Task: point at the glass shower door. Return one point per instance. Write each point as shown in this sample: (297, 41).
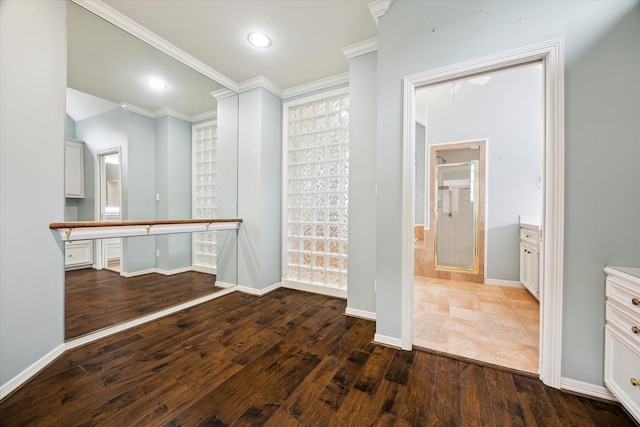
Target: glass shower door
(457, 216)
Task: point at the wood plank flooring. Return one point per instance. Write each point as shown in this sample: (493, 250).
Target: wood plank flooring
(95, 299)
(285, 359)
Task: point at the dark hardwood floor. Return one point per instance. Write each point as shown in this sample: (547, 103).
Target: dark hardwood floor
(285, 359)
(95, 299)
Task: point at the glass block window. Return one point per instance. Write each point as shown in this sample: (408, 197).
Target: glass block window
(205, 190)
(317, 191)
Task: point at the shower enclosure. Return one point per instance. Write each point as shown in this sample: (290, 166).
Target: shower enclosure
(456, 238)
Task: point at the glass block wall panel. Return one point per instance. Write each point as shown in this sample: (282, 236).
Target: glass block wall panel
(205, 192)
(317, 207)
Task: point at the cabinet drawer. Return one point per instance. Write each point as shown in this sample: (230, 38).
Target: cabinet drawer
(530, 236)
(625, 294)
(621, 319)
(622, 365)
(78, 253)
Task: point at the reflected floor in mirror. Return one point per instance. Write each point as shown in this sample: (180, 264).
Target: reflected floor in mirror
(96, 299)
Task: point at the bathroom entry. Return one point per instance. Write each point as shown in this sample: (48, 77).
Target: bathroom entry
(456, 216)
(109, 179)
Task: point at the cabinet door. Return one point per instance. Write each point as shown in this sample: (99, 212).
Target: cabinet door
(529, 267)
(74, 169)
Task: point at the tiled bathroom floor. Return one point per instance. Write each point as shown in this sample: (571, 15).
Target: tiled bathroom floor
(493, 324)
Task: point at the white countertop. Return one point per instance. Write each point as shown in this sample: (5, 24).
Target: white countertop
(629, 271)
(530, 221)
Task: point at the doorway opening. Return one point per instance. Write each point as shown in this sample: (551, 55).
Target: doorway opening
(468, 299)
(109, 199)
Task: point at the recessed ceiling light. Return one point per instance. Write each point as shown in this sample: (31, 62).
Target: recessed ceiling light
(259, 40)
(157, 84)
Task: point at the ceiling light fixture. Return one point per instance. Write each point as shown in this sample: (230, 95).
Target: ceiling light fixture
(259, 40)
(157, 84)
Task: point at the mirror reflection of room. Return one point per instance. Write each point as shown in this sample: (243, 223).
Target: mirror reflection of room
(137, 149)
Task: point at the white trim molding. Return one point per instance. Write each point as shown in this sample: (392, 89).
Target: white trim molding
(258, 292)
(551, 54)
(121, 21)
(315, 289)
(387, 341)
(262, 82)
(205, 115)
(321, 84)
(24, 376)
(364, 47)
(222, 93)
(586, 389)
(378, 8)
(354, 312)
(504, 283)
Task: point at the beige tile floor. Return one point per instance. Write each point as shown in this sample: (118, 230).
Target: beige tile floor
(493, 324)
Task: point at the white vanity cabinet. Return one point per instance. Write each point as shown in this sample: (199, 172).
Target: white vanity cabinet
(73, 169)
(622, 337)
(530, 234)
(78, 254)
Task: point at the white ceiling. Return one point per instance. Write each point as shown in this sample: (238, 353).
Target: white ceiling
(307, 35)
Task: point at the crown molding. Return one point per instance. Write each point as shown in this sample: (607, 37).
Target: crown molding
(222, 93)
(118, 19)
(357, 49)
(378, 8)
(166, 111)
(262, 82)
(138, 110)
(205, 115)
(325, 83)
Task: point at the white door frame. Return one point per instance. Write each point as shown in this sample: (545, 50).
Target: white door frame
(99, 173)
(551, 53)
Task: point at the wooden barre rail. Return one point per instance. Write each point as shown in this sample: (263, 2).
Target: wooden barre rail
(83, 230)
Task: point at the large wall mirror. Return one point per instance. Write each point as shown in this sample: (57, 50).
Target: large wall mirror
(141, 149)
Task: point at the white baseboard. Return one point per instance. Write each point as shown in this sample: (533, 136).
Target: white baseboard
(24, 376)
(258, 292)
(224, 284)
(505, 283)
(201, 269)
(387, 341)
(601, 392)
(156, 270)
(172, 272)
(369, 315)
(315, 289)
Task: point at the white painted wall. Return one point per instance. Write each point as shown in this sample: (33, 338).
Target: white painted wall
(508, 111)
(32, 119)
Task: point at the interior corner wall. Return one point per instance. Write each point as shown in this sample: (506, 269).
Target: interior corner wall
(33, 49)
(361, 293)
(227, 126)
(602, 62)
(259, 188)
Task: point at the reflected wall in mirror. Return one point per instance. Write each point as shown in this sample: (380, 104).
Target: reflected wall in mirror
(141, 146)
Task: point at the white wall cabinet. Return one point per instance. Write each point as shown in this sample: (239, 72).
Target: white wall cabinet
(78, 254)
(622, 337)
(73, 169)
(529, 258)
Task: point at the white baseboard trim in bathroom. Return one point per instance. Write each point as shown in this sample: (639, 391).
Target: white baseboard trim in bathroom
(24, 376)
(156, 270)
(505, 283)
(387, 341)
(354, 312)
(258, 292)
(137, 273)
(142, 320)
(601, 392)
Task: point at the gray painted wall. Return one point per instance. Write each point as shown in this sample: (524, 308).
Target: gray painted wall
(362, 182)
(602, 202)
(69, 127)
(259, 188)
(227, 122)
(508, 111)
(32, 130)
